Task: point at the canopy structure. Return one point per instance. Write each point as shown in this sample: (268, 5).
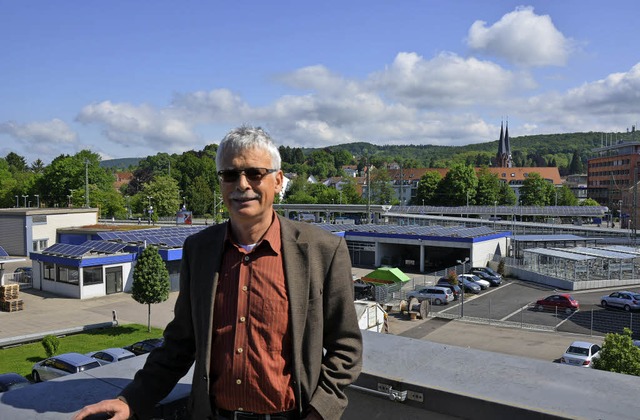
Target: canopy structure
(386, 275)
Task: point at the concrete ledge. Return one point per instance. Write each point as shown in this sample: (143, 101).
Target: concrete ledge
(30, 338)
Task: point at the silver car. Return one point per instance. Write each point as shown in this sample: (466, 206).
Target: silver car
(62, 365)
(106, 356)
(581, 353)
(629, 301)
(434, 294)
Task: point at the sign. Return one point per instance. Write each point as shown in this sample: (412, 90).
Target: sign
(183, 218)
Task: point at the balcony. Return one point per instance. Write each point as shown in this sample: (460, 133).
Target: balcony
(402, 378)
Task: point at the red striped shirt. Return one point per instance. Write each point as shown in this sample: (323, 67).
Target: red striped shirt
(251, 350)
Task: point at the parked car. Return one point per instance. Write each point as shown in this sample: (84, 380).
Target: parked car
(580, 353)
(482, 283)
(23, 273)
(145, 346)
(62, 365)
(106, 356)
(629, 301)
(493, 280)
(563, 301)
(437, 295)
(11, 381)
(468, 285)
(454, 288)
(487, 270)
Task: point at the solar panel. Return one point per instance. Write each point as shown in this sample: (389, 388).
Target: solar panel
(3, 253)
(104, 246)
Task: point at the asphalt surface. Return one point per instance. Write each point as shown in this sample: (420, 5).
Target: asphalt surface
(44, 312)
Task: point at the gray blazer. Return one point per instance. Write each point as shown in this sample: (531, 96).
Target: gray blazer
(318, 277)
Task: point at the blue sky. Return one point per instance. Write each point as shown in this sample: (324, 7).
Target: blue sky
(135, 78)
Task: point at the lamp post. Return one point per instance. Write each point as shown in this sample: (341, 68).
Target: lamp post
(184, 202)
(150, 209)
(463, 262)
(17, 204)
(25, 199)
(68, 200)
(37, 199)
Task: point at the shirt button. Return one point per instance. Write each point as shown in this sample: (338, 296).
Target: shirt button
(240, 350)
(240, 409)
(245, 288)
(238, 381)
(246, 258)
(242, 319)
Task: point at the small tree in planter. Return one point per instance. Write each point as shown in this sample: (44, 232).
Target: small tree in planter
(150, 280)
(501, 267)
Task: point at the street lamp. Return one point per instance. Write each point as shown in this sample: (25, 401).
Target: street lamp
(68, 200)
(184, 202)
(25, 199)
(463, 262)
(38, 199)
(17, 204)
(150, 210)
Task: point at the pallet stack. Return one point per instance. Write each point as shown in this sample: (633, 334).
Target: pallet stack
(9, 298)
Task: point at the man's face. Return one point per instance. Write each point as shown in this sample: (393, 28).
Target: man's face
(247, 200)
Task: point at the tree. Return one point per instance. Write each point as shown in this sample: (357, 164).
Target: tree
(506, 195)
(51, 343)
(488, 188)
(459, 183)
(150, 280)
(348, 193)
(200, 195)
(589, 202)
(166, 200)
(427, 187)
(536, 191)
(619, 354)
(566, 196)
(381, 191)
(576, 166)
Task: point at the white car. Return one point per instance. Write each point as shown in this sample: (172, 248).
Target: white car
(484, 285)
(581, 353)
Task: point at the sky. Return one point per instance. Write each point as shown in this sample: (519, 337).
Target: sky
(135, 78)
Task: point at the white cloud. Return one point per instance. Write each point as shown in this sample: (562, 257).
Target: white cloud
(447, 80)
(129, 125)
(39, 139)
(523, 38)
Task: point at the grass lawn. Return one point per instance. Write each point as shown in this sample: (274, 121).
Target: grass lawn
(22, 358)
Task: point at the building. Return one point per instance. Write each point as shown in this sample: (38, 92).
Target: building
(503, 157)
(26, 230)
(612, 176)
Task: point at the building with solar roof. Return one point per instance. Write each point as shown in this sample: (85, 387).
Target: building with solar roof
(90, 262)
(25, 230)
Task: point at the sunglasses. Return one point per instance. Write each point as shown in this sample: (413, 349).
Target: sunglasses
(252, 174)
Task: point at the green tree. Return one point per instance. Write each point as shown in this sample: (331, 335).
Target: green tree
(427, 187)
(348, 193)
(459, 183)
(506, 195)
(381, 190)
(488, 188)
(50, 343)
(200, 195)
(576, 166)
(589, 202)
(619, 354)
(165, 196)
(150, 280)
(536, 191)
(566, 196)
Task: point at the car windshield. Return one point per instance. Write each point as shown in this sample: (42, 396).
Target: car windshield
(88, 366)
(636, 297)
(578, 350)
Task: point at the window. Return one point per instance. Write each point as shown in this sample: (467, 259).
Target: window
(49, 271)
(68, 275)
(91, 275)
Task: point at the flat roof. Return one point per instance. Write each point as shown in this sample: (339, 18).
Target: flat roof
(551, 238)
(552, 252)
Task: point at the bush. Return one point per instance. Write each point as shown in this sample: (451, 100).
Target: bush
(500, 269)
(50, 344)
(452, 277)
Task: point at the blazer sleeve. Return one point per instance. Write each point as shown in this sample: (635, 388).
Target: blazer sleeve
(342, 339)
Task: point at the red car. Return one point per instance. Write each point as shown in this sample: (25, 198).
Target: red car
(563, 301)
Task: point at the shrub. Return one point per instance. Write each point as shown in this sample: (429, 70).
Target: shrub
(452, 277)
(50, 344)
(501, 267)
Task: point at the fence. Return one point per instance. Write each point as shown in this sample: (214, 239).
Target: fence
(23, 279)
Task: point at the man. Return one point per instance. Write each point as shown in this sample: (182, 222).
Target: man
(265, 308)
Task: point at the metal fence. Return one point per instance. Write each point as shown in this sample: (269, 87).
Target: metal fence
(23, 279)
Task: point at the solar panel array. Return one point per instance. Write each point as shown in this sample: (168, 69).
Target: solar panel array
(414, 230)
(568, 211)
(169, 237)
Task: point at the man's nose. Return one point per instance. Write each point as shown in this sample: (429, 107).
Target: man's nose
(243, 182)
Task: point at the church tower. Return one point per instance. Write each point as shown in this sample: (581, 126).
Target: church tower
(503, 157)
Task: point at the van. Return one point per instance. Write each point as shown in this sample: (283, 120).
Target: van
(437, 295)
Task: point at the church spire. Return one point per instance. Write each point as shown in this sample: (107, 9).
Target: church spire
(503, 157)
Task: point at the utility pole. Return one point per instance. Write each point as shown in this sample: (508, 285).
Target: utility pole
(86, 183)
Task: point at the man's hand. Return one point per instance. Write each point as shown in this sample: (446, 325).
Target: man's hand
(117, 409)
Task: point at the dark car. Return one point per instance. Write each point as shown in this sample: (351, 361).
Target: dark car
(487, 270)
(563, 301)
(454, 288)
(494, 280)
(469, 286)
(145, 346)
(11, 381)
